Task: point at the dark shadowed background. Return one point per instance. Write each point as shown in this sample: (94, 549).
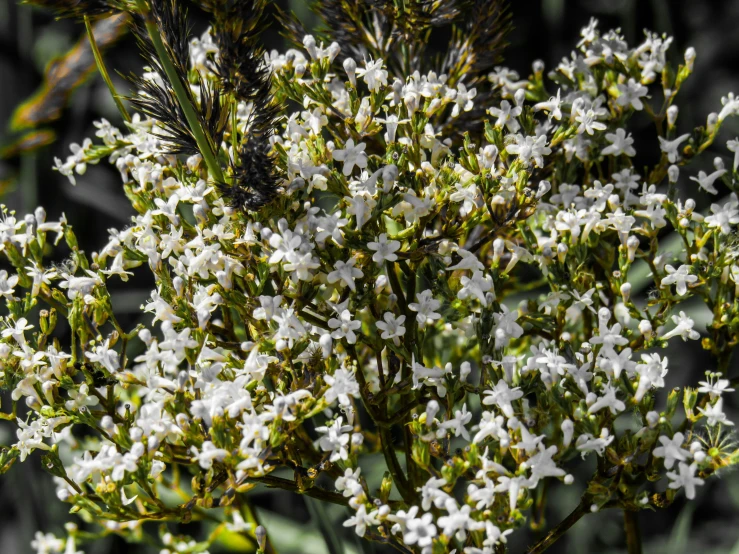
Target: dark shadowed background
(544, 29)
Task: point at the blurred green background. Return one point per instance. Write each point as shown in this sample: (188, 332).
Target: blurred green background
(34, 48)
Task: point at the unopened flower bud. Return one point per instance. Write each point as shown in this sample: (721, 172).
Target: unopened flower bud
(464, 371)
(562, 250)
(626, 291)
(673, 173)
(537, 66)
(333, 51)
(544, 187)
(718, 163)
(432, 408)
(107, 424)
(632, 244)
(690, 57)
(569, 479)
(645, 327)
(326, 344)
(145, 336)
(179, 285)
(299, 70)
(568, 429)
(498, 246)
(519, 97)
(411, 104)
(261, 535)
(672, 115)
(309, 43)
(350, 66)
(711, 121)
(183, 421)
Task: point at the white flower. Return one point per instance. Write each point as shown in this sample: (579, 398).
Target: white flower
(420, 530)
(46, 543)
(468, 261)
(457, 423)
(680, 277)
(715, 414)
(238, 524)
(345, 273)
(506, 327)
(463, 99)
(733, 146)
(373, 74)
(7, 284)
(467, 195)
(730, 106)
(335, 439)
(351, 155)
(391, 124)
(458, 520)
(630, 94)
(392, 327)
(670, 147)
(502, 396)
(685, 479)
(301, 265)
(530, 148)
(360, 206)
(384, 249)
(714, 386)
(588, 120)
(344, 327)
(361, 519)
(80, 398)
(507, 115)
(723, 217)
(588, 443)
(342, 384)
(683, 328)
(208, 454)
(476, 287)
(553, 106)
(621, 143)
(105, 356)
(425, 308)
(608, 400)
(671, 450)
(651, 373)
(513, 486)
(706, 181)
(432, 494)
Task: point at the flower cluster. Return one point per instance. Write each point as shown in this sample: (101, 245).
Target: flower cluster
(468, 309)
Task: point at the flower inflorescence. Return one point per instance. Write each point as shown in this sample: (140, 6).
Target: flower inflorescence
(481, 296)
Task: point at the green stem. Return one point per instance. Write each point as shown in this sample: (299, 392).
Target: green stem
(560, 529)
(103, 71)
(633, 537)
(193, 121)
